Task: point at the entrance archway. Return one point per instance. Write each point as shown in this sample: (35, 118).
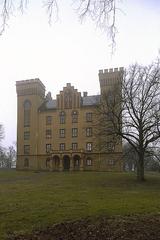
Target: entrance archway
(66, 163)
(55, 163)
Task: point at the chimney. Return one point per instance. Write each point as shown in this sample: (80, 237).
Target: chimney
(85, 94)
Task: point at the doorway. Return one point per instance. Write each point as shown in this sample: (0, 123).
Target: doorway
(66, 163)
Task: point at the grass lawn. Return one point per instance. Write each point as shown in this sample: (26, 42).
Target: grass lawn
(30, 200)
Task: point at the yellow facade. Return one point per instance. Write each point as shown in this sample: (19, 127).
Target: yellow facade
(59, 134)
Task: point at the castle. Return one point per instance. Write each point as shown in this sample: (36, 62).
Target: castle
(59, 134)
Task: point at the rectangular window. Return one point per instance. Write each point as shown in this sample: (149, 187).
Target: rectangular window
(48, 148)
(26, 149)
(88, 132)
(111, 162)
(27, 114)
(89, 117)
(74, 146)
(62, 117)
(26, 135)
(62, 146)
(61, 133)
(48, 133)
(48, 120)
(89, 162)
(74, 132)
(89, 147)
(74, 117)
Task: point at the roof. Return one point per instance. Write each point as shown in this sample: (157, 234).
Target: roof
(86, 101)
(90, 100)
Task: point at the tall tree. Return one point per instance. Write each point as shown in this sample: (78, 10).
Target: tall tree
(133, 113)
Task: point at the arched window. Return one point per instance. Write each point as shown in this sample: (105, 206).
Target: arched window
(27, 113)
(62, 117)
(26, 162)
(74, 117)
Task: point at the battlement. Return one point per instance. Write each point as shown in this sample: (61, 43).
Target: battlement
(111, 70)
(30, 87)
(30, 81)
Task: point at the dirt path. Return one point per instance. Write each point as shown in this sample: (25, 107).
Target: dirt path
(116, 228)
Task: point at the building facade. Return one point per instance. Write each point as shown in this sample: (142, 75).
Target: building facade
(59, 134)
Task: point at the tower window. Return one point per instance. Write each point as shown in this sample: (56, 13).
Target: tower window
(26, 149)
(27, 113)
(26, 135)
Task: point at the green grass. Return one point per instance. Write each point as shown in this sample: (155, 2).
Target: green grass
(31, 200)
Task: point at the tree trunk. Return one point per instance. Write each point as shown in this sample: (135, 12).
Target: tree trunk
(140, 168)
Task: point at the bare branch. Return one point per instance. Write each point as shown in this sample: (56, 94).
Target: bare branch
(52, 10)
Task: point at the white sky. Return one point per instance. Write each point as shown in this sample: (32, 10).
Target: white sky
(69, 51)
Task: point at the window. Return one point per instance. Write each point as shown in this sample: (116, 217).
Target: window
(74, 146)
(89, 147)
(74, 117)
(26, 162)
(61, 133)
(62, 146)
(111, 162)
(77, 162)
(110, 146)
(26, 135)
(88, 132)
(62, 117)
(48, 148)
(27, 113)
(89, 117)
(48, 120)
(48, 133)
(74, 132)
(89, 162)
(26, 149)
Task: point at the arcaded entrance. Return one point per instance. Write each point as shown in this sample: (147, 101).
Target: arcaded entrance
(66, 163)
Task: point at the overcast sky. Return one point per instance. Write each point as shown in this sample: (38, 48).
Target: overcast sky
(69, 51)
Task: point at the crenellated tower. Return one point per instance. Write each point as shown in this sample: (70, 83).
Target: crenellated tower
(110, 78)
(30, 95)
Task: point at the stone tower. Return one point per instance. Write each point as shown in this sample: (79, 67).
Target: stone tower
(30, 95)
(109, 78)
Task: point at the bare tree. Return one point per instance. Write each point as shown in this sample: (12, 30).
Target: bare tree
(1, 132)
(134, 114)
(102, 12)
